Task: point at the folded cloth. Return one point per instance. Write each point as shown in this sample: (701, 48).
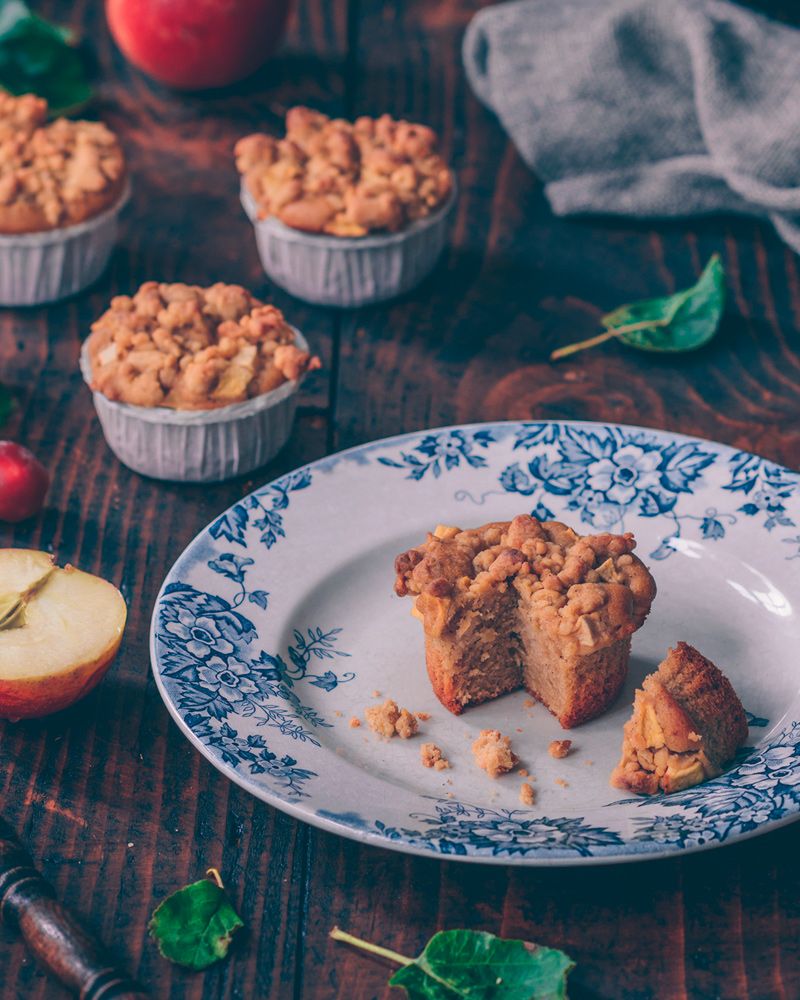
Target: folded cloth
(647, 107)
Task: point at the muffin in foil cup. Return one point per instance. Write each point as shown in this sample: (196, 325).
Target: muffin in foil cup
(42, 267)
(349, 271)
(197, 446)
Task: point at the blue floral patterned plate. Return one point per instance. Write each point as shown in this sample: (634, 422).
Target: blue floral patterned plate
(278, 624)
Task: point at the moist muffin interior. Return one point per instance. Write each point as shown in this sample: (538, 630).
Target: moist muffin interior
(193, 348)
(328, 175)
(527, 603)
(53, 174)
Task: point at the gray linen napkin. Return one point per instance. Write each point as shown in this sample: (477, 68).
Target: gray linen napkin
(647, 107)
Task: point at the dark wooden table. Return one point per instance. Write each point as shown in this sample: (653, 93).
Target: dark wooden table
(112, 800)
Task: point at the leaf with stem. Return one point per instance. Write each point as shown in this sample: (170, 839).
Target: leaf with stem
(684, 321)
(475, 965)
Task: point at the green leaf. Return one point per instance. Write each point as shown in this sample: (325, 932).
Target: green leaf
(194, 926)
(476, 965)
(680, 322)
(684, 321)
(37, 57)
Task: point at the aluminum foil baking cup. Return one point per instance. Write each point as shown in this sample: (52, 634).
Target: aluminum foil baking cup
(43, 267)
(197, 446)
(347, 271)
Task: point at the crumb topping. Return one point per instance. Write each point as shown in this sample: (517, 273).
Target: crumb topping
(387, 720)
(527, 794)
(53, 174)
(192, 348)
(559, 748)
(493, 753)
(431, 756)
(328, 175)
(588, 591)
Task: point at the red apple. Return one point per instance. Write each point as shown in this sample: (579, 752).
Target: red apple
(195, 44)
(23, 482)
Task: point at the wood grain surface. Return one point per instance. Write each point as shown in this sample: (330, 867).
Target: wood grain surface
(114, 805)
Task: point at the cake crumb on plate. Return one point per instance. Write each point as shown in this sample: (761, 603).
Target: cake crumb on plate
(388, 720)
(527, 794)
(559, 748)
(431, 756)
(493, 753)
(355, 722)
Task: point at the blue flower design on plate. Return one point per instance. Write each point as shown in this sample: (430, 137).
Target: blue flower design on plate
(212, 673)
(254, 691)
(459, 828)
(445, 451)
(606, 473)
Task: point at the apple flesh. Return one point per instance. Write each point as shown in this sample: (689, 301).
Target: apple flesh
(197, 44)
(59, 631)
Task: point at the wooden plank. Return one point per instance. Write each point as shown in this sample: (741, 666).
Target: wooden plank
(109, 796)
(472, 344)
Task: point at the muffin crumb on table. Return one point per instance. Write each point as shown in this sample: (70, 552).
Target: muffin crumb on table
(493, 753)
(559, 748)
(387, 720)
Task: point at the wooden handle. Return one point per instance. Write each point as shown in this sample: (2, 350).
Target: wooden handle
(51, 932)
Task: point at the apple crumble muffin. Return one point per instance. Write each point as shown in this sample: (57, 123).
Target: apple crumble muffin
(192, 348)
(345, 178)
(493, 753)
(687, 723)
(527, 602)
(56, 174)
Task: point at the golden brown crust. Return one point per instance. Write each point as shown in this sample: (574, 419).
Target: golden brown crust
(57, 174)
(588, 590)
(345, 178)
(687, 723)
(192, 348)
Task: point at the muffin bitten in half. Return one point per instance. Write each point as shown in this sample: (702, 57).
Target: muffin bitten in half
(527, 602)
(687, 723)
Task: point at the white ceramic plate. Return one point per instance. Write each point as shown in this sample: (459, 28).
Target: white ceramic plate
(279, 622)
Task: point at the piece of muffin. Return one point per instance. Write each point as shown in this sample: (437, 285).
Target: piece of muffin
(53, 174)
(328, 175)
(527, 602)
(687, 723)
(192, 348)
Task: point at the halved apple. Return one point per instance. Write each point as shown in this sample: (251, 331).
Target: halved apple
(59, 631)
